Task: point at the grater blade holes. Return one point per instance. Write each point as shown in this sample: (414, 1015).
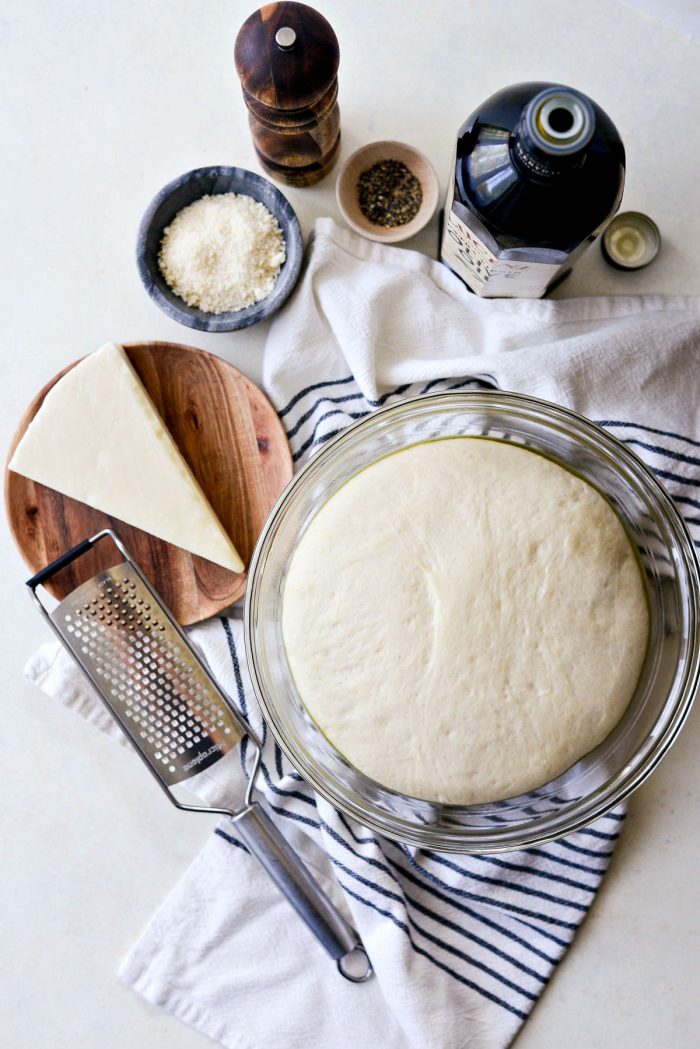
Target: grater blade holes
(147, 674)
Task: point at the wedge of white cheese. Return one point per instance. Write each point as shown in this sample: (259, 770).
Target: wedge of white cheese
(98, 438)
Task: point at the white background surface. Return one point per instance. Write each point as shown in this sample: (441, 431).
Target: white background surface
(102, 103)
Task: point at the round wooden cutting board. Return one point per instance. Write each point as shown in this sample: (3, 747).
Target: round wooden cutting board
(230, 435)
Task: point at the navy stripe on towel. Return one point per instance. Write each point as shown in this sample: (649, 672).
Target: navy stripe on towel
(309, 389)
(440, 965)
(615, 423)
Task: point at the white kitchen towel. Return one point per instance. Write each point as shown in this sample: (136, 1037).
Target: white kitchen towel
(462, 946)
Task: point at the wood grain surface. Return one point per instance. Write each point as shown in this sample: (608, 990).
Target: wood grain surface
(291, 94)
(230, 435)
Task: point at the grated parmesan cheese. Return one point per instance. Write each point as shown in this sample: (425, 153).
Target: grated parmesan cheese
(222, 253)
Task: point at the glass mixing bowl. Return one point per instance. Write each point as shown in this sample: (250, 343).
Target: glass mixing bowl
(669, 678)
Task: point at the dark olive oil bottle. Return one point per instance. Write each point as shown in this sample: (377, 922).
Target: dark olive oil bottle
(539, 170)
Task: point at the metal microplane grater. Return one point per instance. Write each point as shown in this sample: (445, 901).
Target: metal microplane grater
(165, 699)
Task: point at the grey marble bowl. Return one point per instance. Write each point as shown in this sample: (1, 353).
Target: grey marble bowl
(185, 190)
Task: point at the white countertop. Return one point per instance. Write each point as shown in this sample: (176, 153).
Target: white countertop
(104, 103)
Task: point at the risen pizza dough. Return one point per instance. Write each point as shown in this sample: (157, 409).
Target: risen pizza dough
(465, 619)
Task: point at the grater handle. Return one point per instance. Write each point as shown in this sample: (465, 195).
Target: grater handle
(293, 879)
(72, 555)
(59, 563)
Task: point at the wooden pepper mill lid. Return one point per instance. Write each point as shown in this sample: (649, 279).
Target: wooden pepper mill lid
(287, 59)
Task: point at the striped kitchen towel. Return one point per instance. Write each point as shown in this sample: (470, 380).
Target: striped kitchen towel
(462, 946)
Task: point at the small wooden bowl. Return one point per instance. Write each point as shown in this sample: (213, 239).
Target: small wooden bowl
(364, 158)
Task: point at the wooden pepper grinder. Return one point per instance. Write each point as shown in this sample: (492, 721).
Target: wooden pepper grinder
(287, 59)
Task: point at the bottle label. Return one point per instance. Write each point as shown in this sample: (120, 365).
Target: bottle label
(469, 249)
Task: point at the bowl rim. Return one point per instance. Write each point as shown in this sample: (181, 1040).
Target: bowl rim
(234, 320)
(621, 784)
(391, 234)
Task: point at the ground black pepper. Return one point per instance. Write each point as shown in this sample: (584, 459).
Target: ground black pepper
(389, 194)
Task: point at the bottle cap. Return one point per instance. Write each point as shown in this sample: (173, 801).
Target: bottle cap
(630, 241)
